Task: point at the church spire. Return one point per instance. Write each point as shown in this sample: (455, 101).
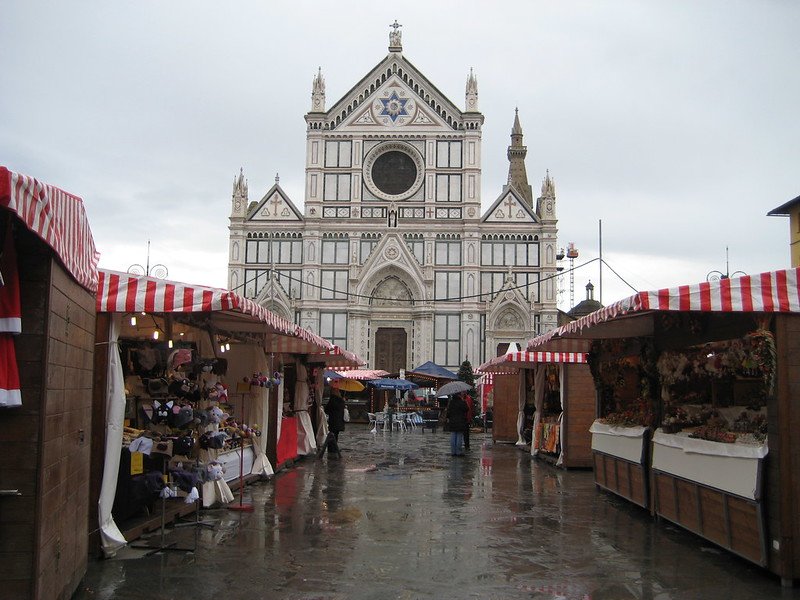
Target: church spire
(548, 186)
(517, 175)
(472, 92)
(318, 92)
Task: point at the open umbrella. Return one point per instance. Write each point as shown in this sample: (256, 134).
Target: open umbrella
(392, 384)
(454, 387)
(347, 385)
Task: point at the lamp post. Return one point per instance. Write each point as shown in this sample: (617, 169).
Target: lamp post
(717, 275)
(158, 271)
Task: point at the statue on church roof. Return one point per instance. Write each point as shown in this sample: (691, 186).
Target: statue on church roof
(395, 43)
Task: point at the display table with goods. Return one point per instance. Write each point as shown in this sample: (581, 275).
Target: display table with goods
(621, 435)
(186, 437)
(709, 455)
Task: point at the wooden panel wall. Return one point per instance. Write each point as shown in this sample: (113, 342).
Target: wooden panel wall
(579, 413)
(46, 441)
(506, 408)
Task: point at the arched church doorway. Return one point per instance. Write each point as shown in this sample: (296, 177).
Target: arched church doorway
(390, 349)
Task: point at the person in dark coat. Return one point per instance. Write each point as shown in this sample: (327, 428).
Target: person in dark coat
(470, 416)
(456, 416)
(335, 411)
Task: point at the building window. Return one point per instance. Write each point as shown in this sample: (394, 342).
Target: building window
(448, 155)
(492, 283)
(278, 249)
(366, 247)
(447, 341)
(291, 282)
(447, 285)
(254, 281)
(448, 188)
(509, 253)
(337, 154)
(334, 252)
(448, 253)
(416, 246)
(334, 285)
(333, 327)
(337, 187)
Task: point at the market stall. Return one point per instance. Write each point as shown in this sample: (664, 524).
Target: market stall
(48, 276)
(556, 389)
(710, 371)
(186, 390)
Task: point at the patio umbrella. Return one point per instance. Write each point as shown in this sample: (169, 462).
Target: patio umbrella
(393, 384)
(347, 385)
(454, 387)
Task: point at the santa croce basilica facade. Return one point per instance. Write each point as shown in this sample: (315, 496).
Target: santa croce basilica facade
(391, 256)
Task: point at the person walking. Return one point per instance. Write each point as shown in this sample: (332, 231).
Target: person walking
(470, 416)
(335, 411)
(456, 416)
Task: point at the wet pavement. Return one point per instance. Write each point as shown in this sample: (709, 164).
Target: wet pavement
(399, 518)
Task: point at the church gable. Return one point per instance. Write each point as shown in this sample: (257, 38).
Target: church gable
(394, 94)
(510, 208)
(394, 105)
(391, 256)
(275, 206)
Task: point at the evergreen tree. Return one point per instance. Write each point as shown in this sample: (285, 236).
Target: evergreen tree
(466, 374)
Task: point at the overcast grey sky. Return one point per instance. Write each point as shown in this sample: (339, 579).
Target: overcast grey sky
(675, 122)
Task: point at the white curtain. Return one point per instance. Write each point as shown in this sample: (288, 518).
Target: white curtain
(521, 405)
(111, 538)
(538, 401)
(322, 422)
(306, 444)
(259, 414)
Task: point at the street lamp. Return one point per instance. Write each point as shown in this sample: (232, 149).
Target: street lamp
(717, 275)
(158, 271)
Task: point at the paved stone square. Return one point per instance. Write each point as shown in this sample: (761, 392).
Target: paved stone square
(398, 517)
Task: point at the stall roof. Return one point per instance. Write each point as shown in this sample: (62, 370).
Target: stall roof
(773, 291)
(337, 357)
(520, 360)
(431, 369)
(58, 218)
(362, 374)
(125, 292)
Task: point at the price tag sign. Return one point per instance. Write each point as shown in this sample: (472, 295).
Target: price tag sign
(137, 463)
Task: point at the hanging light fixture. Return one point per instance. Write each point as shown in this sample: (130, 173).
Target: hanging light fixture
(133, 321)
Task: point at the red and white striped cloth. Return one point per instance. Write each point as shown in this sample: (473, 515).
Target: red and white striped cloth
(58, 218)
(124, 292)
(337, 357)
(10, 322)
(514, 360)
(774, 291)
(361, 374)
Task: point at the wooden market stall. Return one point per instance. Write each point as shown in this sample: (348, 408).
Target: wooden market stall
(698, 393)
(558, 387)
(188, 385)
(48, 275)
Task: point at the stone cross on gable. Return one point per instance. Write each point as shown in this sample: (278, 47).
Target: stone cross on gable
(275, 203)
(394, 35)
(510, 204)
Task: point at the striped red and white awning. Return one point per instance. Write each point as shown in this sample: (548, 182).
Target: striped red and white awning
(128, 293)
(771, 292)
(337, 357)
(512, 361)
(362, 374)
(58, 218)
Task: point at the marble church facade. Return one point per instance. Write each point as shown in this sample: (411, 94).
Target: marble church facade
(391, 255)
